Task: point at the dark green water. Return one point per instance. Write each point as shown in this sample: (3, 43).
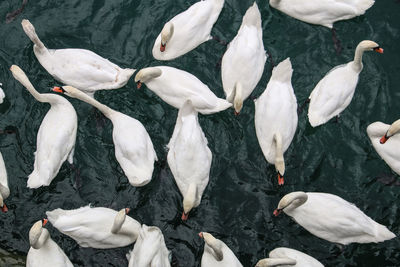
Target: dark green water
(242, 193)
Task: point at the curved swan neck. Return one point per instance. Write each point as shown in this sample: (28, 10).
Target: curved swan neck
(30, 31)
(357, 63)
(394, 129)
(189, 198)
(39, 242)
(292, 200)
(167, 32)
(279, 160)
(270, 262)
(20, 76)
(238, 97)
(215, 245)
(76, 93)
(118, 226)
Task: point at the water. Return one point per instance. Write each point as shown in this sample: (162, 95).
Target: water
(242, 193)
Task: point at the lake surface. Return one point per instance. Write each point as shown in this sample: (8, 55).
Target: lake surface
(238, 202)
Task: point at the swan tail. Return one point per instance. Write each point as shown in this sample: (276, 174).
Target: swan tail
(37, 179)
(382, 233)
(315, 119)
(29, 29)
(283, 72)
(364, 5)
(54, 215)
(252, 16)
(123, 77)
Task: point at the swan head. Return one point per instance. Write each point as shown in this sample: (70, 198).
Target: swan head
(146, 74)
(368, 45)
(292, 201)
(213, 243)
(269, 262)
(36, 232)
(394, 129)
(166, 35)
(119, 220)
(67, 90)
(188, 201)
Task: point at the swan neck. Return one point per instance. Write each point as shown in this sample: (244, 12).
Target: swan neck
(44, 236)
(1, 200)
(90, 100)
(189, 198)
(270, 262)
(293, 200)
(216, 247)
(238, 97)
(357, 63)
(23, 79)
(278, 143)
(394, 128)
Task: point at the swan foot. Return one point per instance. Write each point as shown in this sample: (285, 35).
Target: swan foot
(174, 261)
(12, 15)
(337, 119)
(300, 109)
(281, 181)
(4, 208)
(270, 57)
(221, 42)
(389, 180)
(336, 42)
(78, 181)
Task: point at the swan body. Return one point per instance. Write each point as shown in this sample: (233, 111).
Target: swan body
(133, 147)
(332, 218)
(288, 257)
(4, 190)
(56, 136)
(334, 92)
(96, 227)
(276, 116)
(175, 86)
(243, 62)
(217, 253)
(2, 95)
(387, 146)
(150, 249)
(322, 12)
(80, 68)
(44, 252)
(187, 30)
(189, 157)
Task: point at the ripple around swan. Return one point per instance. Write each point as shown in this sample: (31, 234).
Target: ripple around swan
(237, 204)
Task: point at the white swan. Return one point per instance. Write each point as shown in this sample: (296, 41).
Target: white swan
(175, 86)
(80, 68)
(96, 227)
(332, 218)
(243, 62)
(189, 158)
(288, 257)
(2, 95)
(4, 190)
(276, 116)
(217, 253)
(322, 12)
(187, 30)
(56, 136)
(334, 92)
(386, 141)
(44, 251)
(150, 249)
(133, 147)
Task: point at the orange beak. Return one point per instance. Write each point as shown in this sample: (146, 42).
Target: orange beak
(383, 139)
(281, 181)
(379, 50)
(201, 235)
(4, 208)
(237, 113)
(277, 212)
(127, 210)
(184, 216)
(44, 222)
(162, 47)
(58, 89)
(138, 84)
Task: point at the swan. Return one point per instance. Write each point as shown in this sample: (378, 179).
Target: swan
(133, 147)
(288, 257)
(44, 251)
(187, 30)
(243, 62)
(332, 218)
(56, 136)
(150, 249)
(79, 68)
(275, 117)
(334, 92)
(96, 227)
(217, 253)
(386, 141)
(2, 95)
(322, 12)
(4, 190)
(175, 86)
(189, 157)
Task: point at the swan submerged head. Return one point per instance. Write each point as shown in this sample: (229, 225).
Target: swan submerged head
(146, 74)
(166, 35)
